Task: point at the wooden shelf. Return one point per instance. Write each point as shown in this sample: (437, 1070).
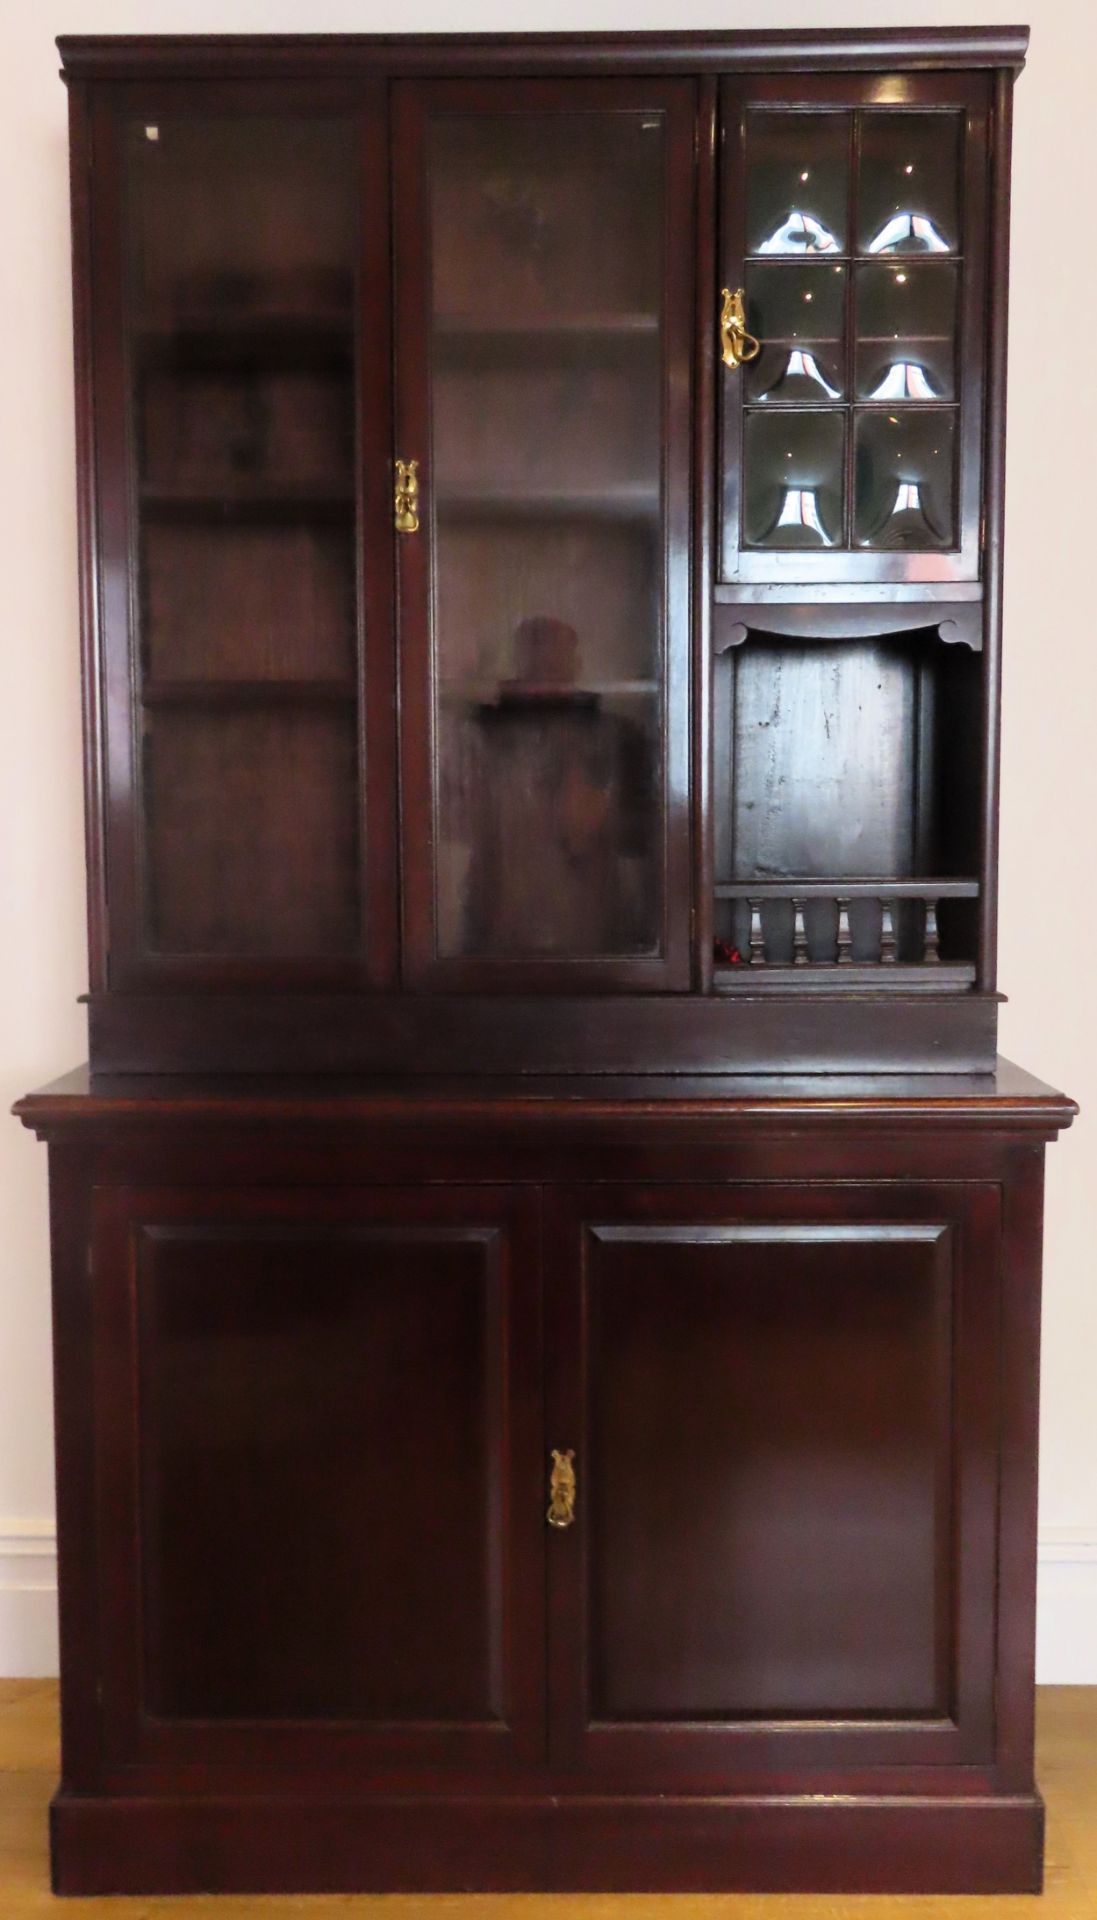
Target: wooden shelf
(637, 503)
(860, 889)
(479, 691)
(202, 338)
(246, 693)
(581, 336)
(247, 505)
(855, 976)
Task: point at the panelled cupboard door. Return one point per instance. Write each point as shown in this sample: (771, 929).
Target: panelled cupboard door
(781, 1403)
(321, 1540)
(544, 293)
(240, 326)
(853, 235)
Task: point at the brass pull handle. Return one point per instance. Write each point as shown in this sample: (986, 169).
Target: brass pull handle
(406, 498)
(561, 1507)
(736, 344)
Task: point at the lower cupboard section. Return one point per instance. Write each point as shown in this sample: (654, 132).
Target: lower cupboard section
(326, 1623)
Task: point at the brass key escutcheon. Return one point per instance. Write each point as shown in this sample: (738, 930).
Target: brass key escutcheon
(406, 498)
(561, 1508)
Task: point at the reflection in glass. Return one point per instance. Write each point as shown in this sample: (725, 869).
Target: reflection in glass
(908, 187)
(908, 233)
(908, 525)
(801, 371)
(797, 182)
(904, 480)
(799, 516)
(800, 233)
(242, 247)
(906, 331)
(545, 493)
(793, 465)
(904, 380)
(799, 314)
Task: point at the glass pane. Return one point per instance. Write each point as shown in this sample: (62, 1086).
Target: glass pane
(906, 331)
(242, 249)
(904, 493)
(797, 182)
(547, 236)
(908, 200)
(251, 829)
(798, 313)
(793, 466)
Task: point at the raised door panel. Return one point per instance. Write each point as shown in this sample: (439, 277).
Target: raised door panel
(316, 1412)
(240, 312)
(544, 273)
(782, 1407)
(853, 229)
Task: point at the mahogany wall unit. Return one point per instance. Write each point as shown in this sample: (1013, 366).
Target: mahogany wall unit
(546, 1259)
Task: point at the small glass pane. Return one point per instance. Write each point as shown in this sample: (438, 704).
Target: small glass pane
(904, 492)
(547, 237)
(797, 182)
(793, 465)
(908, 198)
(906, 331)
(798, 313)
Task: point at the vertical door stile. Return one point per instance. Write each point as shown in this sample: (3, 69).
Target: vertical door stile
(377, 612)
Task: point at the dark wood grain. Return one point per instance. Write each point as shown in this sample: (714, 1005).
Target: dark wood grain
(277, 1344)
(214, 56)
(375, 1194)
(796, 1029)
(233, 1197)
(997, 348)
(699, 1602)
(249, 888)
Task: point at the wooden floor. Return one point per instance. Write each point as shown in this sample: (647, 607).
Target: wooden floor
(1067, 1773)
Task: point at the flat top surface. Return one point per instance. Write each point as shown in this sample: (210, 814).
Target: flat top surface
(1008, 1093)
(994, 45)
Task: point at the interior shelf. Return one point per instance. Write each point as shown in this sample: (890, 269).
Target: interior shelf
(247, 505)
(873, 976)
(626, 503)
(490, 690)
(195, 692)
(582, 335)
(212, 337)
(839, 889)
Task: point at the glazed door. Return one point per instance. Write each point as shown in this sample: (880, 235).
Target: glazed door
(241, 293)
(852, 249)
(544, 274)
(320, 1417)
(781, 1404)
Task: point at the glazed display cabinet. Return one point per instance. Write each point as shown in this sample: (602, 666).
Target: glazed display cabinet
(546, 1256)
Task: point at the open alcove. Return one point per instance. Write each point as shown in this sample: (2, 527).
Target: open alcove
(846, 789)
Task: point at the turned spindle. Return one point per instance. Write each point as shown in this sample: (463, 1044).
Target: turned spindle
(845, 937)
(889, 950)
(931, 937)
(757, 937)
(800, 955)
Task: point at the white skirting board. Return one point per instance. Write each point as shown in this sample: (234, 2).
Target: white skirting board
(1066, 1635)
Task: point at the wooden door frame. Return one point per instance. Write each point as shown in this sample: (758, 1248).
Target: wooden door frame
(413, 103)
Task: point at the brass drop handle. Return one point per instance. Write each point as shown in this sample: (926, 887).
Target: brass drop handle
(736, 344)
(561, 1507)
(406, 498)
